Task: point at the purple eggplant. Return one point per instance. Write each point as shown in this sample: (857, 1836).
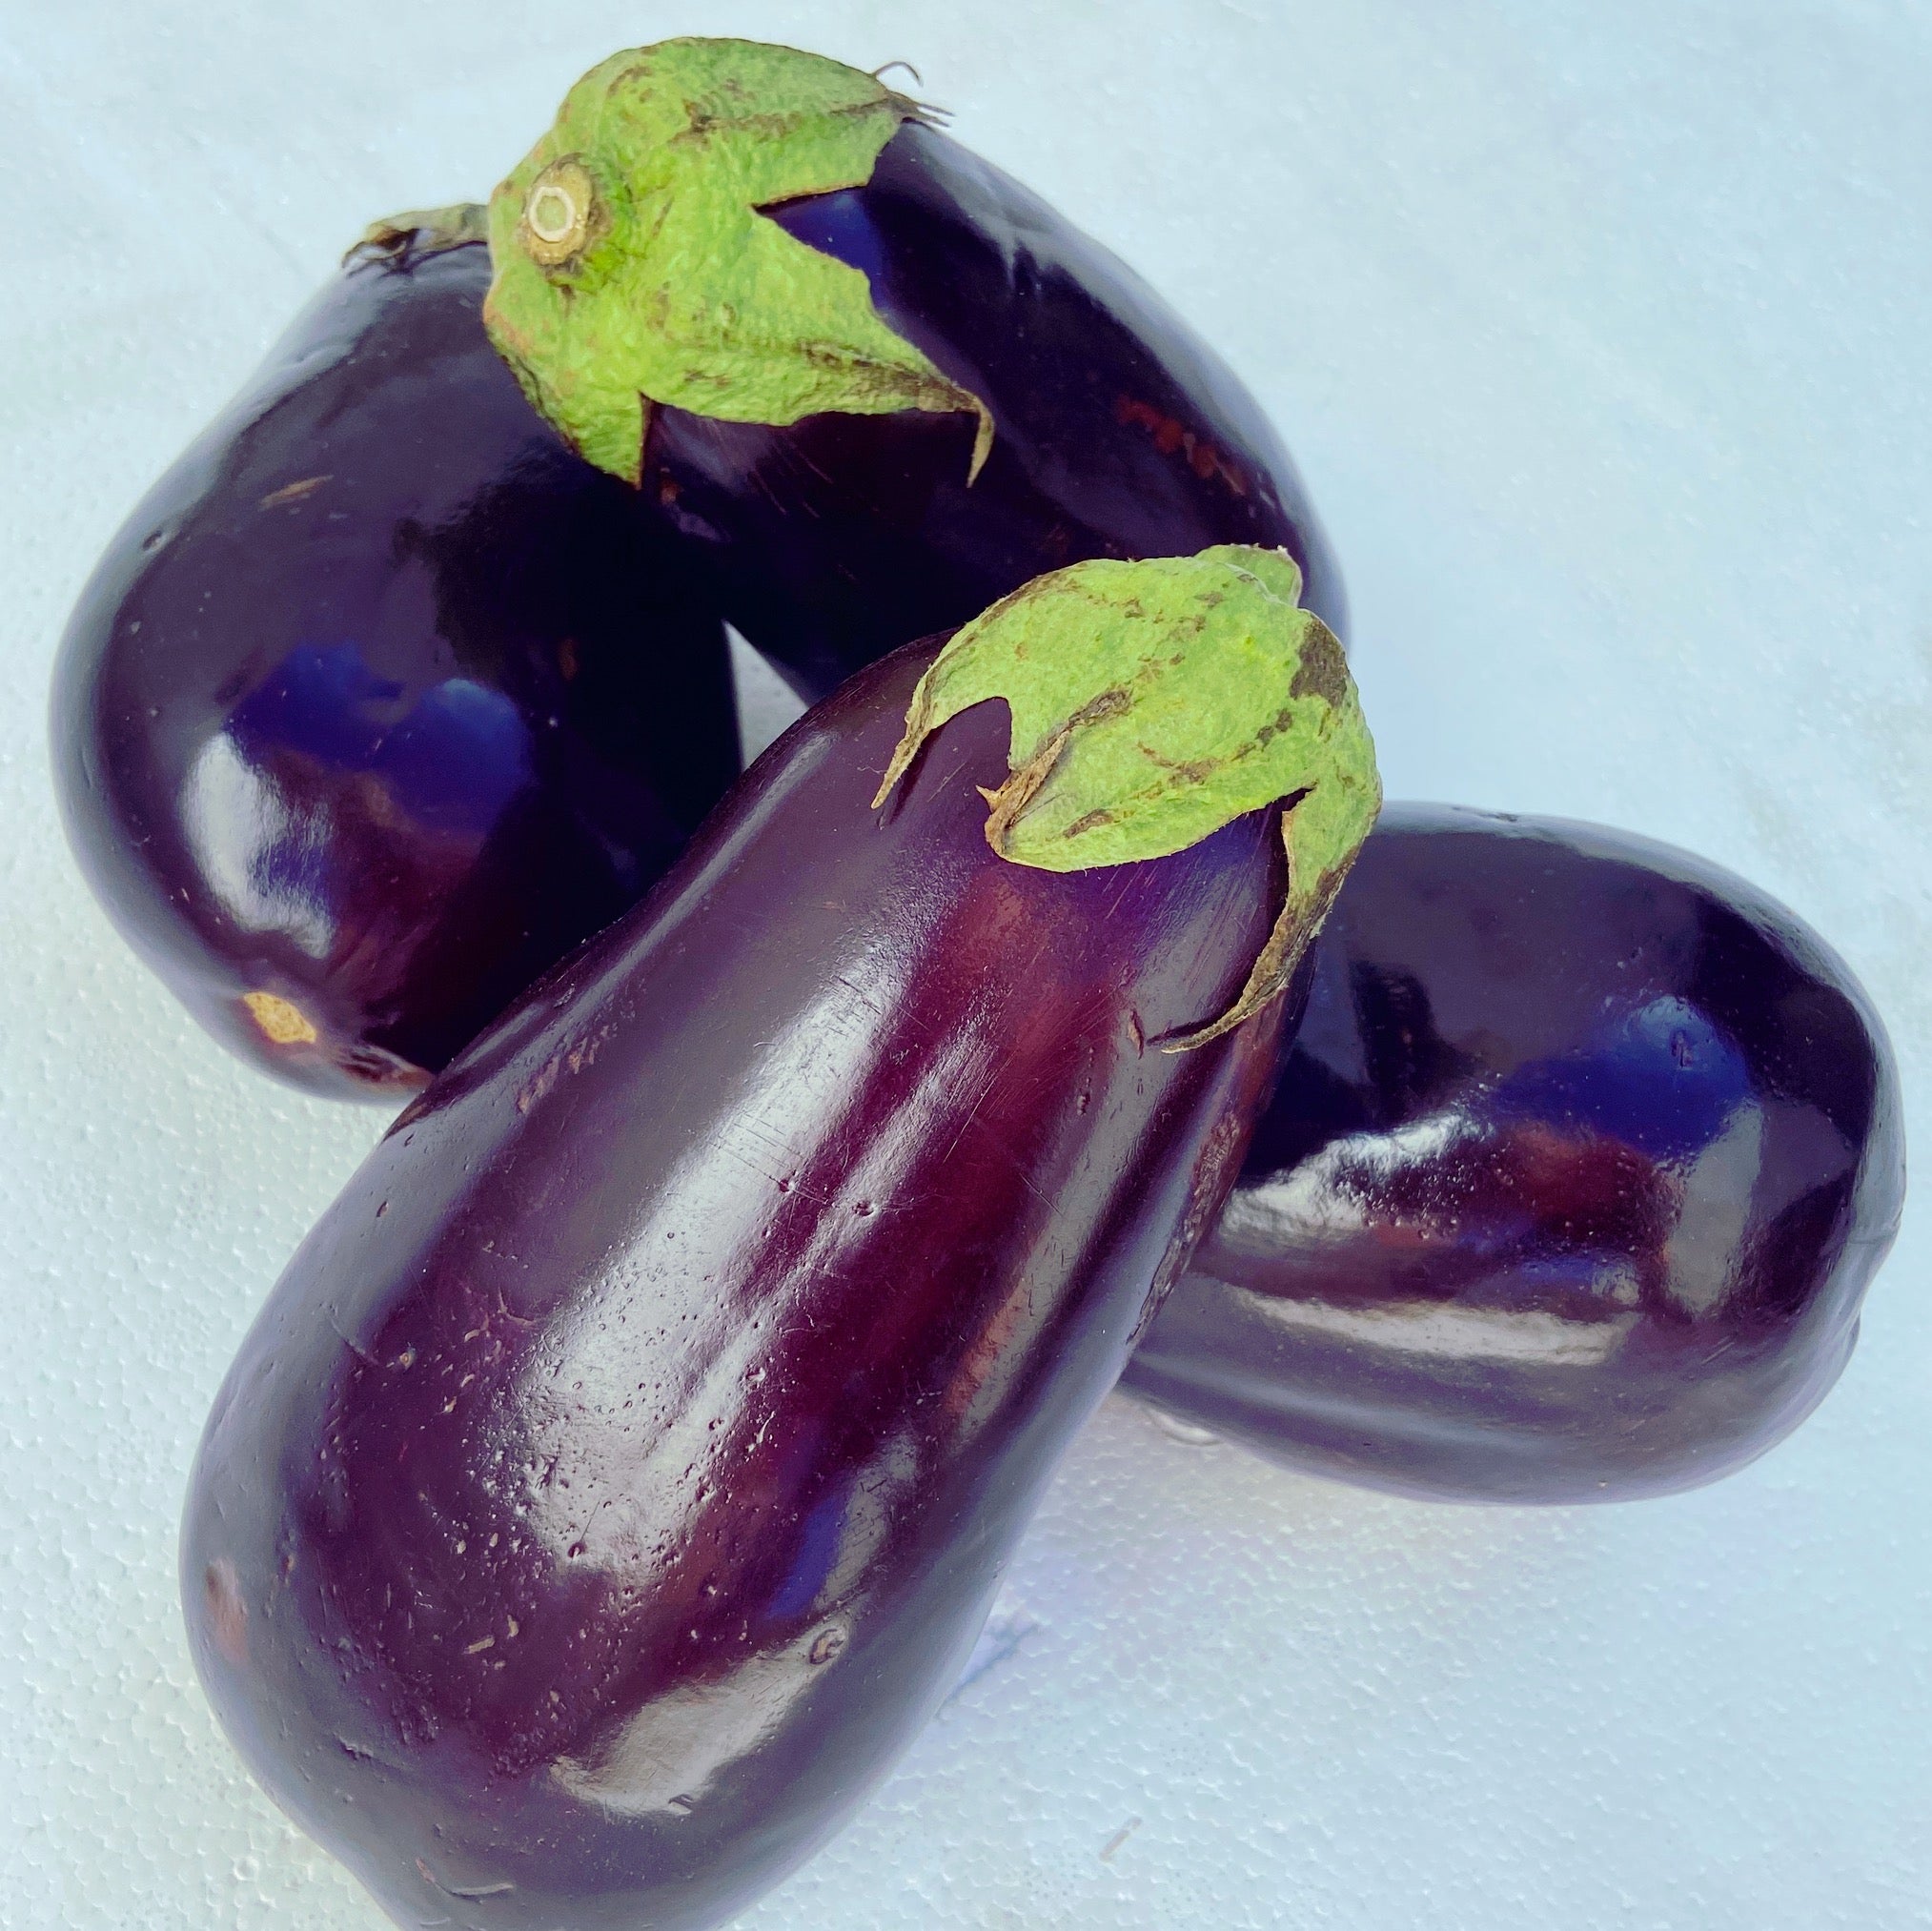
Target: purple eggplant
(621, 1471)
(1570, 1188)
(382, 699)
(836, 536)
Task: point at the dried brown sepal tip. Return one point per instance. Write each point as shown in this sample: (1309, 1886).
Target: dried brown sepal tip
(402, 240)
(1301, 917)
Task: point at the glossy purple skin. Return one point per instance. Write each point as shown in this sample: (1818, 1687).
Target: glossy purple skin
(619, 1473)
(382, 699)
(1120, 434)
(1571, 1189)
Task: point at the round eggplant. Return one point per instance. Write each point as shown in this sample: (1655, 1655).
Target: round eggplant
(837, 535)
(621, 1471)
(382, 699)
(1570, 1188)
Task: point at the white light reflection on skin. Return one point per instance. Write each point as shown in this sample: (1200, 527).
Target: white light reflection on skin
(1706, 1246)
(635, 1469)
(665, 1756)
(254, 850)
(628, 1451)
(1315, 1201)
(1323, 1202)
(1444, 1332)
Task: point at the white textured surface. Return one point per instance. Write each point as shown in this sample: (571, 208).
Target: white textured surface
(1601, 335)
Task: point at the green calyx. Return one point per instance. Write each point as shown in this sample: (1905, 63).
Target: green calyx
(633, 267)
(1154, 702)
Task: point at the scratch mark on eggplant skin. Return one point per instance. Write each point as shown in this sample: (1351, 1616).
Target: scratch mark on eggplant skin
(1033, 1186)
(980, 1099)
(763, 485)
(499, 1889)
(349, 1341)
(294, 492)
(865, 998)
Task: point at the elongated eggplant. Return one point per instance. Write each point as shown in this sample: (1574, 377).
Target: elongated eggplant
(622, 1469)
(1570, 1188)
(382, 699)
(814, 407)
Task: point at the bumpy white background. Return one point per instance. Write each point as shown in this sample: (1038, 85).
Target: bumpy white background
(1601, 335)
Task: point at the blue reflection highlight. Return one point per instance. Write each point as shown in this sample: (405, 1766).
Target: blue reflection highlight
(451, 762)
(1663, 1079)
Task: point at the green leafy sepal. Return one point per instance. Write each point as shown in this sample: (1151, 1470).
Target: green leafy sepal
(1154, 702)
(633, 266)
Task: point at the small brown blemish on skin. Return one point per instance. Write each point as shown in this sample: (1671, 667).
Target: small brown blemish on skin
(540, 1083)
(581, 1054)
(1134, 1032)
(227, 1612)
(826, 1645)
(293, 493)
(281, 1022)
(1170, 435)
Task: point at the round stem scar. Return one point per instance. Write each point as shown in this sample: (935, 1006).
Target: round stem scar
(558, 212)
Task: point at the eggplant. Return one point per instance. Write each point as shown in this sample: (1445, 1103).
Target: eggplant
(839, 524)
(621, 1470)
(1571, 1187)
(382, 699)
